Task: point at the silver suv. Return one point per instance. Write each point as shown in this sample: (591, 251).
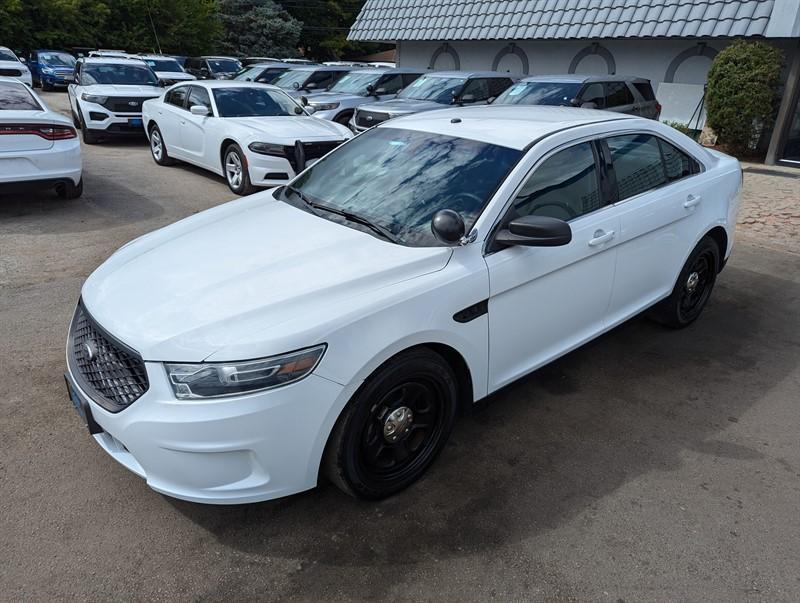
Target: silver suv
(621, 93)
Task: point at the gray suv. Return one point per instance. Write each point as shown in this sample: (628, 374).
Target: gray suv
(624, 94)
(436, 90)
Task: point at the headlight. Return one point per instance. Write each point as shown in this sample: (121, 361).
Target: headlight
(325, 106)
(267, 148)
(213, 380)
(94, 98)
(47, 70)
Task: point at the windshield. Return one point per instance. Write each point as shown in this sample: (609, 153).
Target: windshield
(355, 83)
(224, 65)
(117, 73)
(170, 65)
(7, 55)
(436, 89)
(288, 78)
(253, 102)
(398, 179)
(539, 93)
(15, 97)
(260, 74)
(57, 59)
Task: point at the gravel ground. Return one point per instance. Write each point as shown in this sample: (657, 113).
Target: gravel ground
(648, 465)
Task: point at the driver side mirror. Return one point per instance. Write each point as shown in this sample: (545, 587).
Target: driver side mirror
(467, 98)
(535, 231)
(589, 105)
(199, 110)
(304, 101)
(311, 86)
(371, 90)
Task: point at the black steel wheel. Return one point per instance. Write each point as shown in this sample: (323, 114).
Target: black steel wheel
(692, 289)
(393, 428)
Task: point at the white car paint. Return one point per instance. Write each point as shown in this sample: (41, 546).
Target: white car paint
(123, 119)
(199, 139)
(14, 68)
(33, 158)
(258, 277)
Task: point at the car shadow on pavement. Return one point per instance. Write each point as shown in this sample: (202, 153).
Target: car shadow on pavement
(546, 450)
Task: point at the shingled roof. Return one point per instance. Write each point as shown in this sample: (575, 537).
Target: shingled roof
(445, 20)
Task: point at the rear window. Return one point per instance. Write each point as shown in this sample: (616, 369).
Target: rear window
(618, 94)
(15, 97)
(645, 89)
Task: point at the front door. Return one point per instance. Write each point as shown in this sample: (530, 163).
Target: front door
(545, 301)
(194, 126)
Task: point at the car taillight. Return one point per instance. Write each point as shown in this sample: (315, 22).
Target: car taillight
(658, 109)
(48, 132)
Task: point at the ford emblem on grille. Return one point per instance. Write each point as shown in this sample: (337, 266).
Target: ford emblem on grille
(133, 103)
(369, 117)
(91, 351)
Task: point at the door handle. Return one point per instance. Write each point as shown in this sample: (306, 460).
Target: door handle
(600, 237)
(692, 201)
(183, 122)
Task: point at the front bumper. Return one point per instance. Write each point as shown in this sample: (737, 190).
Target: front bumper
(60, 162)
(99, 119)
(56, 80)
(222, 451)
(270, 170)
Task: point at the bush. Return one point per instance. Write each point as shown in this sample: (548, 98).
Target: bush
(681, 127)
(742, 93)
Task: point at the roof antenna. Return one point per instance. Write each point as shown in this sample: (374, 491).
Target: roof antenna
(154, 28)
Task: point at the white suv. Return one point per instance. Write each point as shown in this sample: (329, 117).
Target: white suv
(12, 66)
(107, 94)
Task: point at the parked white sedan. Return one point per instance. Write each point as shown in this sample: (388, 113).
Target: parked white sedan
(38, 147)
(255, 135)
(12, 66)
(337, 325)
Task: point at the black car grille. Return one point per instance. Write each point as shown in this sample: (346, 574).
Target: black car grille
(11, 72)
(367, 119)
(125, 104)
(311, 150)
(111, 373)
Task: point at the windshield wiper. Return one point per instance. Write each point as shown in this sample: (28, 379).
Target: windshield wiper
(347, 215)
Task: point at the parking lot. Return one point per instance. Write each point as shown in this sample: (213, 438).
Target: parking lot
(648, 465)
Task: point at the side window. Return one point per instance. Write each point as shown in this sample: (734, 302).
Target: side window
(618, 94)
(646, 90)
(176, 96)
(637, 164)
(677, 163)
(594, 93)
(389, 84)
(498, 85)
(322, 79)
(199, 96)
(478, 88)
(564, 186)
(409, 77)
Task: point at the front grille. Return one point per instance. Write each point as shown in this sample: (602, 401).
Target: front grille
(125, 104)
(311, 150)
(111, 373)
(11, 72)
(367, 119)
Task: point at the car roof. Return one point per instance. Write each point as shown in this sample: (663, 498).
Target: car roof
(152, 56)
(469, 74)
(215, 56)
(582, 79)
(112, 60)
(301, 67)
(387, 70)
(211, 84)
(270, 64)
(513, 126)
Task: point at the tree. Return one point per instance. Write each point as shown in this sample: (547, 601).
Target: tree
(257, 28)
(742, 92)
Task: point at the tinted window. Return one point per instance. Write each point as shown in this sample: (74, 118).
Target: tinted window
(594, 93)
(409, 78)
(539, 93)
(253, 102)
(390, 84)
(478, 88)
(199, 96)
(193, 63)
(646, 90)
(400, 178)
(176, 96)
(677, 163)
(637, 163)
(224, 65)
(7, 55)
(15, 97)
(618, 94)
(498, 85)
(564, 186)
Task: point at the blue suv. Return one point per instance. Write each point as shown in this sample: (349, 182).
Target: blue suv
(51, 68)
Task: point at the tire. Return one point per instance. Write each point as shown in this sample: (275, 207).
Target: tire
(158, 148)
(68, 190)
(89, 137)
(234, 167)
(46, 87)
(394, 426)
(344, 118)
(692, 289)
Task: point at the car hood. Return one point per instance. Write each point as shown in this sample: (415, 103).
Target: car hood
(287, 129)
(402, 106)
(255, 270)
(174, 75)
(59, 68)
(13, 65)
(335, 97)
(122, 90)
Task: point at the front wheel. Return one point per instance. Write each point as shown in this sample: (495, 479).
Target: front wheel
(394, 427)
(46, 87)
(89, 137)
(693, 288)
(237, 175)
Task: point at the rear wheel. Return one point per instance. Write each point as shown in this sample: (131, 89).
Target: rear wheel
(70, 190)
(394, 427)
(158, 149)
(234, 163)
(693, 288)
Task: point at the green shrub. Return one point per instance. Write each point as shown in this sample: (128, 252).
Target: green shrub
(681, 127)
(742, 93)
